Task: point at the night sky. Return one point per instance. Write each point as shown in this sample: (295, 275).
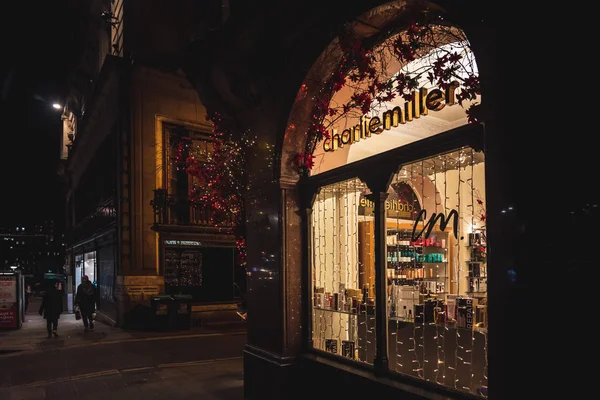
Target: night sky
(33, 67)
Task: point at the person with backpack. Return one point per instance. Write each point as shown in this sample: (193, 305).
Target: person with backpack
(85, 298)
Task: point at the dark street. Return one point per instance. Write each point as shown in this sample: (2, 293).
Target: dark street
(262, 200)
(171, 368)
(127, 364)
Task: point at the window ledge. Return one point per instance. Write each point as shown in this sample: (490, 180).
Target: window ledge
(417, 390)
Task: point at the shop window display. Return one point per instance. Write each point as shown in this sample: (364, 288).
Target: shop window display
(433, 320)
(342, 237)
(435, 267)
(436, 270)
(89, 266)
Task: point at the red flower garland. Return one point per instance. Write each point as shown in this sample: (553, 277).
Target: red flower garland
(358, 67)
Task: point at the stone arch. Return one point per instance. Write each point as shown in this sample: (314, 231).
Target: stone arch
(375, 24)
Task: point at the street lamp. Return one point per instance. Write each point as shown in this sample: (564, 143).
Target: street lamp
(57, 106)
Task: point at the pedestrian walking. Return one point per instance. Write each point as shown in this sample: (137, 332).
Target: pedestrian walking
(51, 308)
(85, 298)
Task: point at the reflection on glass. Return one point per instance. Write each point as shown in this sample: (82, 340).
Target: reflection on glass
(436, 271)
(343, 272)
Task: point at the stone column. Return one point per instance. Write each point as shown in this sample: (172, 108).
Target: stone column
(274, 291)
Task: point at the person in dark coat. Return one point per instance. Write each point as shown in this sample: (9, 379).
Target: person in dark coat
(51, 308)
(85, 298)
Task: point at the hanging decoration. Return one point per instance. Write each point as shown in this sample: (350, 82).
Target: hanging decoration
(363, 70)
(219, 178)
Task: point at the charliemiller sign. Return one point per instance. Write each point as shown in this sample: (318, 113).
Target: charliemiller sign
(8, 301)
(423, 101)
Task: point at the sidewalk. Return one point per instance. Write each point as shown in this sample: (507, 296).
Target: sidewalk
(33, 335)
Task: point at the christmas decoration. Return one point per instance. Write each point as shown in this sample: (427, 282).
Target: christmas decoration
(219, 177)
(363, 69)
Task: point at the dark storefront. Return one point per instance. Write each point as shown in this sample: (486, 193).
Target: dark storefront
(96, 259)
(106, 264)
(203, 271)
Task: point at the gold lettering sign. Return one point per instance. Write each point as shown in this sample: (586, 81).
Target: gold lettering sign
(401, 203)
(394, 205)
(423, 101)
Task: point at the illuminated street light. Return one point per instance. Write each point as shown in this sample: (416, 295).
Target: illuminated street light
(57, 106)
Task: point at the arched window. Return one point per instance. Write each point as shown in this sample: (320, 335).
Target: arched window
(397, 229)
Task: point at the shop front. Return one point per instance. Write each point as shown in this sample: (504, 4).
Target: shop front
(402, 244)
(397, 237)
(390, 224)
(85, 264)
(106, 263)
(201, 266)
(97, 260)
(399, 276)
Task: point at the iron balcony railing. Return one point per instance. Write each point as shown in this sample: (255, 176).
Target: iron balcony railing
(102, 216)
(171, 210)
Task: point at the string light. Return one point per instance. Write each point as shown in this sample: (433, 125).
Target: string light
(472, 205)
(338, 210)
(458, 245)
(446, 365)
(219, 177)
(346, 254)
(336, 218)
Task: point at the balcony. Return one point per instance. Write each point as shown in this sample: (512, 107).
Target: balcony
(172, 213)
(103, 216)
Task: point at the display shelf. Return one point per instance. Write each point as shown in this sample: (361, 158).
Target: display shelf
(410, 246)
(336, 311)
(417, 268)
(453, 326)
(477, 267)
(412, 265)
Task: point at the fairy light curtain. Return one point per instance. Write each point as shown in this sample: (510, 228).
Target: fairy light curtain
(436, 278)
(437, 320)
(343, 272)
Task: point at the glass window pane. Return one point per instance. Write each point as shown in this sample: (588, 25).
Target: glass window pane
(89, 266)
(343, 272)
(436, 270)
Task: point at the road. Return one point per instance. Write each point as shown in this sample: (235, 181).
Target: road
(209, 366)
